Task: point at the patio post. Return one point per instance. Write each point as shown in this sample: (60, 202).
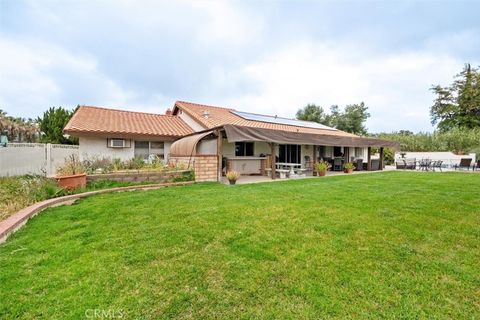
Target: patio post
(219, 155)
(314, 159)
(381, 158)
(369, 159)
(273, 162)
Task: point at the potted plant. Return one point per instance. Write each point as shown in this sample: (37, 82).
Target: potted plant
(348, 167)
(322, 168)
(71, 175)
(233, 176)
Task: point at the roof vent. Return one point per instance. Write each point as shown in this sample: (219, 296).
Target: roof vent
(168, 112)
(205, 114)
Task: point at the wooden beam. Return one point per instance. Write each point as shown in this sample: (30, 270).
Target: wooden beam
(219, 154)
(273, 162)
(314, 162)
(369, 159)
(381, 158)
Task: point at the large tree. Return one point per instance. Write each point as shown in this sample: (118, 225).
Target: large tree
(351, 119)
(18, 129)
(458, 105)
(312, 112)
(52, 123)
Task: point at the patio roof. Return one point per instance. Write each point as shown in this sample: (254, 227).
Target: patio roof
(187, 146)
(243, 133)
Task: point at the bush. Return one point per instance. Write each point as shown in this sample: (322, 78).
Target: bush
(19, 192)
(71, 167)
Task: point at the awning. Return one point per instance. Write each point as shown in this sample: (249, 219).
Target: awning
(187, 146)
(241, 133)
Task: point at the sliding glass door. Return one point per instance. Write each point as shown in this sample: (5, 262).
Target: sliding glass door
(290, 153)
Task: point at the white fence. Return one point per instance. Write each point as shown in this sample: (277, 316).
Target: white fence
(33, 158)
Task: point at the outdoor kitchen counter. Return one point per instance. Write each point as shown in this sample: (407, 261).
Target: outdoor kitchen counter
(246, 165)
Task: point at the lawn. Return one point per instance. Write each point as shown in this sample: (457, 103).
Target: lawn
(384, 245)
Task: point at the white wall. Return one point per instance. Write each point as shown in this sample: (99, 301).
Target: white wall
(190, 121)
(33, 158)
(91, 147)
(207, 146)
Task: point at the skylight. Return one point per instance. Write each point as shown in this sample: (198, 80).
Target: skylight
(279, 120)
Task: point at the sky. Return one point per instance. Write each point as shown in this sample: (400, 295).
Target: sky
(269, 57)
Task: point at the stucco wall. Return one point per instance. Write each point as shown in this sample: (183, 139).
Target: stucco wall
(228, 149)
(207, 146)
(90, 147)
(189, 120)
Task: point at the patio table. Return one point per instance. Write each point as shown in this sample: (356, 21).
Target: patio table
(291, 165)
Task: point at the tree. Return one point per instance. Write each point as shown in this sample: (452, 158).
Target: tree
(52, 123)
(312, 112)
(351, 119)
(18, 129)
(458, 105)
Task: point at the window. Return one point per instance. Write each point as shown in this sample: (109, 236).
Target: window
(146, 149)
(243, 149)
(337, 152)
(358, 152)
(290, 153)
(118, 143)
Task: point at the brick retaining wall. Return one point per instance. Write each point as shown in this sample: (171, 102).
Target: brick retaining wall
(205, 166)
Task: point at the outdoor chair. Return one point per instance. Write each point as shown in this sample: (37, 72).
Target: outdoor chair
(400, 164)
(411, 164)
(425, 164)
(359, 165)
(476, 166)
(337, 164)
(437, 165)
(464, 163)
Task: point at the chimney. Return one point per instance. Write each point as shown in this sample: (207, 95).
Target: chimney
(168, 112)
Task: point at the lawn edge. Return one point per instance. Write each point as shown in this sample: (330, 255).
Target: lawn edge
(21, 217)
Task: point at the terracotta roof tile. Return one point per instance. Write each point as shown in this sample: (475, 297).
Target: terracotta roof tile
(91, 120)
(219, 116)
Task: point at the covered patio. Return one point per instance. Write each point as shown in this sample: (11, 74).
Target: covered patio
(273, 154)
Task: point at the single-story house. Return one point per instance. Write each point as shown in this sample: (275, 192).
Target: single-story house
(215, 139)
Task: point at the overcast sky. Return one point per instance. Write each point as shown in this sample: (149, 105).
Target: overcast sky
(268, 57)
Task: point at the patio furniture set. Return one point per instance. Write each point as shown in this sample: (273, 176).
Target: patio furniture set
(432, 165)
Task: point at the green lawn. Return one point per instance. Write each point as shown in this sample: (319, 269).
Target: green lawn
(384, 245)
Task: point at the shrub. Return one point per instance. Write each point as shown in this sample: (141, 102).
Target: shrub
(322, 166)
(233, 175)
(349, 166)
(71, 166)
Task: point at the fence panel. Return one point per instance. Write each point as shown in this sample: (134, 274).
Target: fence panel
(33, 158)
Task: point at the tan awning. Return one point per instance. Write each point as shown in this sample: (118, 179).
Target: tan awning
(241, 133)
(187, 146)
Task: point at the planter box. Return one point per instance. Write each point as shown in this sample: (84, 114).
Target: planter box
(141, 176)
(72, 182)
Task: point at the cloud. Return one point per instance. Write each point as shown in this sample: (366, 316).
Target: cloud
(395, 86)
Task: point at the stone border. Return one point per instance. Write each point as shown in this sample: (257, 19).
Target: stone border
(16, 221)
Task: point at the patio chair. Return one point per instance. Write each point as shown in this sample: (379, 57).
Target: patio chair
(477, 165)
(437, 165)
(400, 164)
(411, 164)
(375, 164)
(359, 165)
(337, 164)
(464, 163)
(425, 164)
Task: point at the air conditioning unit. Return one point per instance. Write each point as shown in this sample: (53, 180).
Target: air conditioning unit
(117, 143)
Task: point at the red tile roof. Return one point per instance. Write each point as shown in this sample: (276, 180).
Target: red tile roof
(219, 116)
(94, 120)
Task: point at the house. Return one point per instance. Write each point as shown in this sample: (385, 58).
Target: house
(214, 139)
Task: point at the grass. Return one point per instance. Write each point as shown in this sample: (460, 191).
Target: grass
(385, 245)
(21, 191)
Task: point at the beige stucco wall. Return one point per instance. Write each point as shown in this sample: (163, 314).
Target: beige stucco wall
(228, 149)
(90, 147)
(189, 120)
(207, 146)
